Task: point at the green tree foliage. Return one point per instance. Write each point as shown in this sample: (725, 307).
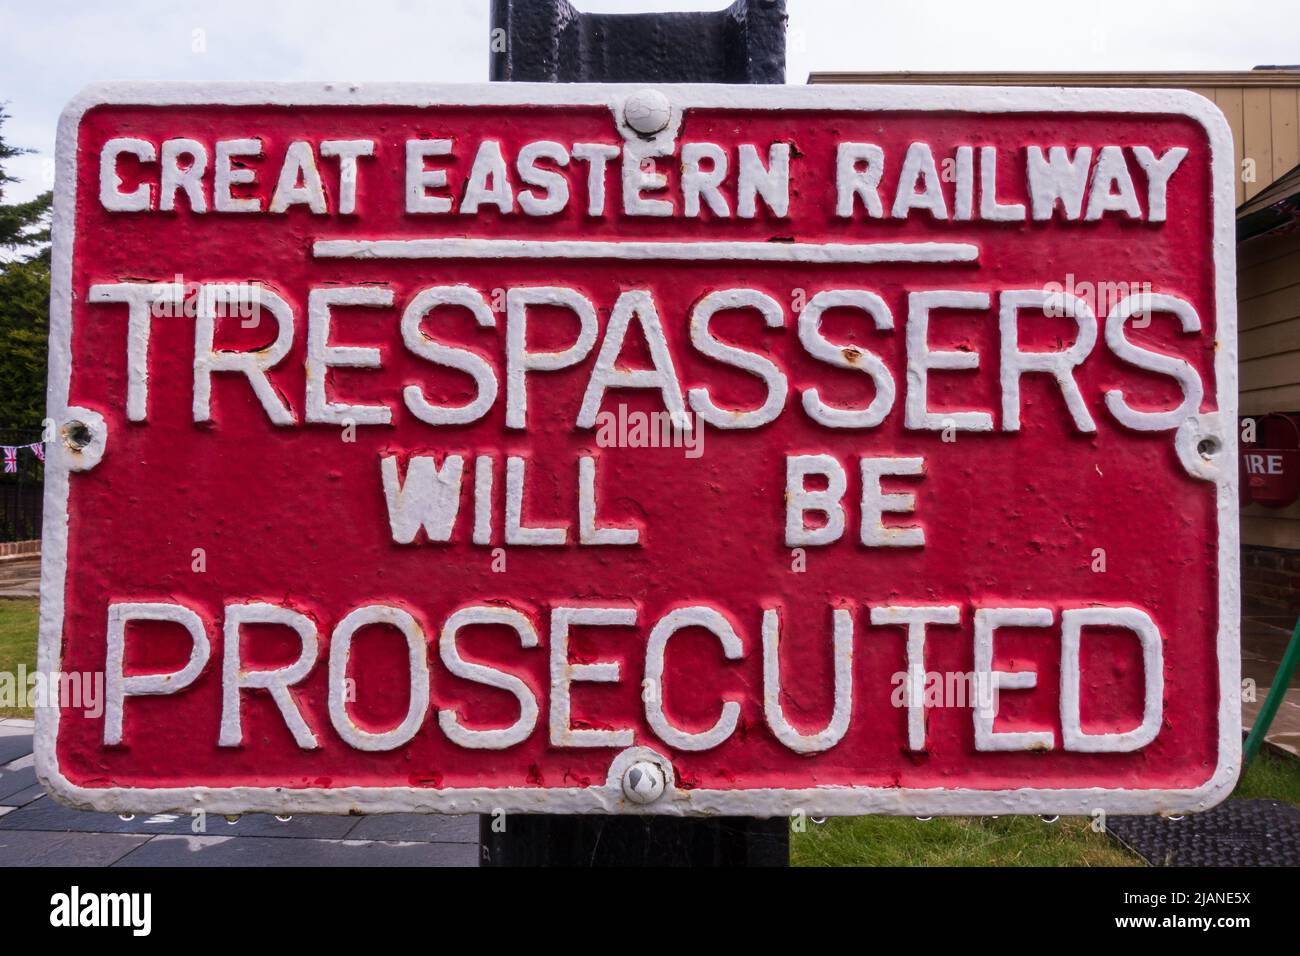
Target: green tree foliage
(24, 300)
(24, 333)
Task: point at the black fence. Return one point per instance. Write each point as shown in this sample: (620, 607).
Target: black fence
(22, 483)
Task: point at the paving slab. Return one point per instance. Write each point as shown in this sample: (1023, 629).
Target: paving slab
(21, 848)
(1262, 646)
(303, 826)
(1288, 742)
(47, 814)
(14, 746)
(21, 577)
(24, 797)
(1263, 642)
(1284, 732)
(266, 851)
(16, 781)
(417, 828)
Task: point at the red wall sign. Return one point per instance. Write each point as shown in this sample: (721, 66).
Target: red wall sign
(594, 449)
(1270, 462)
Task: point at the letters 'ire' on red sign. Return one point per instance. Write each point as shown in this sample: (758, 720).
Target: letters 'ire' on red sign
(602, 449)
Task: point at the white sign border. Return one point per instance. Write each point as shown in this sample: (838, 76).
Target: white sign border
(609, 798)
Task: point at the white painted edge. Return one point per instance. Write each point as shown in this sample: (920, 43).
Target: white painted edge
(640, 251)
(817, 801)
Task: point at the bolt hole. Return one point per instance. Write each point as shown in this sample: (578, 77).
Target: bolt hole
(1208, 447)
(78, 434)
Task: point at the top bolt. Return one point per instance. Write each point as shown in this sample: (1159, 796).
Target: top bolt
(646, 112)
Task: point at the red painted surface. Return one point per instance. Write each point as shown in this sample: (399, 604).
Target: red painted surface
(297, 516)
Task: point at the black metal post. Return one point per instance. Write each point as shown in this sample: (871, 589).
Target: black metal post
(550, 41)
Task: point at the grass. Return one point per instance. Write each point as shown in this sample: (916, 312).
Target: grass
(955, 841)
(1004, 841)
(17, 642)
(1272, 777)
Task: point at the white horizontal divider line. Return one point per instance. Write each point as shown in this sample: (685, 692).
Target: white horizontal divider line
(829, 253)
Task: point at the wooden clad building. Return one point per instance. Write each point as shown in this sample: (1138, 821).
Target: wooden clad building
(1262, 107)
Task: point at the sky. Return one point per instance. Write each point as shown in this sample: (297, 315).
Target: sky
(49, 49)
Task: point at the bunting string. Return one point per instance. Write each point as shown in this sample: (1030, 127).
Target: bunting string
(11, 454)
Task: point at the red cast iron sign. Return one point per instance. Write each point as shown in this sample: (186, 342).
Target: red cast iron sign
(593, 449)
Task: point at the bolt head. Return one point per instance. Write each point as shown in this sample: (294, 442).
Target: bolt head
(77, 434)
(647, 112)
(643, 782)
